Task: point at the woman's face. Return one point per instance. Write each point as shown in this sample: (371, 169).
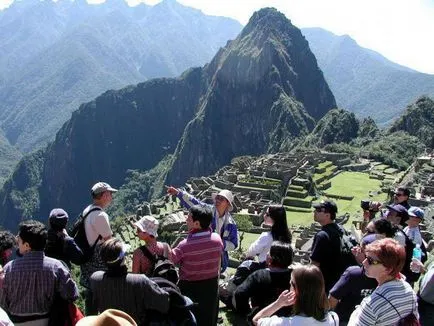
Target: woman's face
(267, 219)
(373, 266)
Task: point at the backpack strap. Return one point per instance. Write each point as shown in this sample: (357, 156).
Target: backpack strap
(390, 304)
(148, 254)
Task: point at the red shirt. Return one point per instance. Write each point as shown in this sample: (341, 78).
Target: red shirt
(198, 256)
(141, 263)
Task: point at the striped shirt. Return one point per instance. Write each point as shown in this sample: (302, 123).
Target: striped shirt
(31, 282)
(375, 310)
(198, 256)
(131, 293)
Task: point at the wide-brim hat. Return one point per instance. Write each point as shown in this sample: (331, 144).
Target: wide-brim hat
(226, 194)
(110, 317)
(148, 224)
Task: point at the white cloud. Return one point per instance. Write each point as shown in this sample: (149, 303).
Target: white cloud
(401, 30)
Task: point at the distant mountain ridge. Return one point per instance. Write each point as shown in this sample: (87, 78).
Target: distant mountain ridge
(56, 56)
(362, 80)
(263, 92)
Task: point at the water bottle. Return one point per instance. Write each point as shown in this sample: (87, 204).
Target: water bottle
(417, 254)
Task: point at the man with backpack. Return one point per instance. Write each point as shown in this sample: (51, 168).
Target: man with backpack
(199, 257)
(95, 222)
(327, 244)
(147, 259)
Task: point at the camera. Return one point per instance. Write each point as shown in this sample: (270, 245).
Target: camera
(369, 205)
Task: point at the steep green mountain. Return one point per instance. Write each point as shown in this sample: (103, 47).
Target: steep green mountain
(362, 80)
(56, 55)
(262, 91)
(266, 91)
(10, 157)
(418, 121)
(337, 126)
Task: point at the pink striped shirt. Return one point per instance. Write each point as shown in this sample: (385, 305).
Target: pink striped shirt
(198, 256)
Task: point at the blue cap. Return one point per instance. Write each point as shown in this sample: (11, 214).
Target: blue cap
(416, 212)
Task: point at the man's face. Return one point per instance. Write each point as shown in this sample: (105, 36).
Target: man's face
(192, 225)
(393, 217)
(108, 197)
(413, 221)
(221, 203)
(23, 247)
(399, 197)
(319, 215)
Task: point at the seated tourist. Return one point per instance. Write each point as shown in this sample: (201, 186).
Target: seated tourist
(394, 298)
(198, 257)
(353, 286)
(7, 245)
(59, 244)
(265, 285)
(147, 228)
(33, 281)
(274, 216)
(308, 298)
(118, 289)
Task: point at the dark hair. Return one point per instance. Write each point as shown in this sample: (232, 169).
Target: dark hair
(7, 241)
(383, 226)
(404, 190)
(281, 254)
(311, 299)
(203, 214)
(34, 233)
(279, 230)
(112, 252)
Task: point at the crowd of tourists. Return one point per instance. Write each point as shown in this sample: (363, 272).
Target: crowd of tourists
(371, 283)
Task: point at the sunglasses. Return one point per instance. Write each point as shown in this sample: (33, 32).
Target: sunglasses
(318, 209)
(398, 195)
(372, 261)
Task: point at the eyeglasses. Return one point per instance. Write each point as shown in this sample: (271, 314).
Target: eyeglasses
(318, 209)
(372, 261)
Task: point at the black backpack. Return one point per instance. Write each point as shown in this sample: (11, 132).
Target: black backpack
(347, 242)
(161, 265)
(79, 234)
(180, 308)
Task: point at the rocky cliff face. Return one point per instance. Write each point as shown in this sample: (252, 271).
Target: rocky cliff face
(265, 88)
(261, 93)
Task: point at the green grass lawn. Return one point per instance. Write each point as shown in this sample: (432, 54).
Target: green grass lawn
(356, 184)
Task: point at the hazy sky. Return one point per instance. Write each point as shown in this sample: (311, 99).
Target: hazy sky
(401, 30)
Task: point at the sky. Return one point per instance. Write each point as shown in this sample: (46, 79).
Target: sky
(401, 30)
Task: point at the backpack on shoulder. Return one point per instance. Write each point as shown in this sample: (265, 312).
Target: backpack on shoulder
(347, 242)
(161, 265)
(79, 234)
(180, 308)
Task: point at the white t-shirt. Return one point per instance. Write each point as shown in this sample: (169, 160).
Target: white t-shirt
(414, 234)
(331, 319)
(4, 319)
(261, 246)
(96, 223)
